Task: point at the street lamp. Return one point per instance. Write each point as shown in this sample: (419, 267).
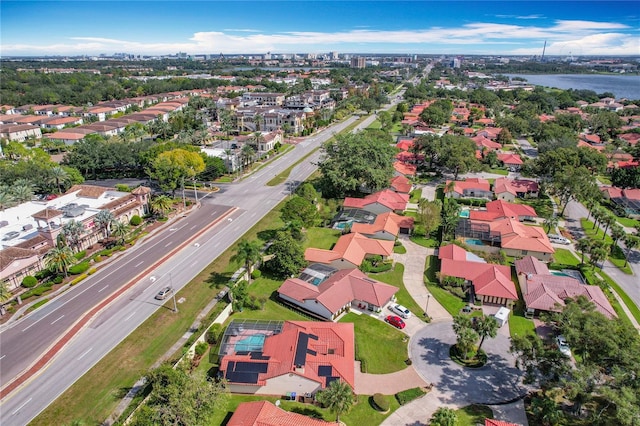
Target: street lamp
(426, 309)
(173, 293)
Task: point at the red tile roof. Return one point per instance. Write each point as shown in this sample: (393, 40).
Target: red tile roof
(401, 184)
(500, 209)
(514, 235)
(471, 183)
(264, 413)
(452, 252)
(514, 187)
(508, 158)
(404, 168)
(339, 290)
(391, 200)
(352, 247)
(482, 141)
(492, 422)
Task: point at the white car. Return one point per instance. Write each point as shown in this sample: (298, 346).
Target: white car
(563, 346)
(558, 239)
(401, 311)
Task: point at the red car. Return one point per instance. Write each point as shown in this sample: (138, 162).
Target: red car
(395, 321)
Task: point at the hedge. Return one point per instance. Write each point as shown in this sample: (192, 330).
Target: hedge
(78, 279)
(409, 395)
(91, 271)
(381, 402)
(79, 268)
(80, 255)
(135, 220)
(201, 348)
(257, 273)
(29, 281)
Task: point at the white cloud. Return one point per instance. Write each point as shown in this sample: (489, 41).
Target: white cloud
(591, 37)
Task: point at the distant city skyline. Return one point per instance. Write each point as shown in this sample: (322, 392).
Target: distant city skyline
(576, 28)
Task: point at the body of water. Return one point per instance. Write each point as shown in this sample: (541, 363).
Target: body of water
(622, 86)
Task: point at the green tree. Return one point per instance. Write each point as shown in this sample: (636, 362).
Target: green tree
(583, 245)
(458, 155)
(551, 222)
(161, 204)
(337, 397)
(73, 231)
(58, 175)
(605, 124)
(429, 213)
(22, 190)
(485, 326)
(353, 161)
(59, 259)
(545, 410)
(172, 167)
(103, 219)
(450, 217)
(444, 416)
(630, 242)
(247, 253)
(120, 230)
(288, 256)
(5, 294)
(300, 209)
(6, 197)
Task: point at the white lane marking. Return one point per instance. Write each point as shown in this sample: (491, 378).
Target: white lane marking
(168, 244)
(103, 288)
(84, 353)
(194, 264)
(2, 357)
(216, 245)
(152, 279)
(130, 316)
(21, 407)
(62, 316)
(192, 228)
(172, 229)
(253, 214)
(139, 263)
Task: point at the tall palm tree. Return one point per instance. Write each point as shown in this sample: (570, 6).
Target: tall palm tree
(161, 204)
(630, 242)
(247, 252)
(551, 222)
(103, 219)
(59, 259)
(583, 245)
(247, 154)
(337, 397)
(486, 326)
(6, 197)
(22, 190)
(119, 230)
(617, 232)
(5, 294)
(608, 219)
(73, 231)
(58, 176)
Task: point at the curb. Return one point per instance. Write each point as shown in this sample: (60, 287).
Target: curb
(65, 338)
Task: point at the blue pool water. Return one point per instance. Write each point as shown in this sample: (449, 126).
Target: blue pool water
(474, 242)
(253, 343)
(342, 225)
(464, 213)
(559, 274)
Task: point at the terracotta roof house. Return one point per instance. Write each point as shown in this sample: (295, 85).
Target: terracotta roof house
(329, 296)
(350, 251)
(483, 142)
(470, 188)
(380, 202)
(628, 199)
(509, 189)
(299, 357)
(401, 184)
(512, 161)
(499, 209)
(405, 168)
(386, 226)
(16, 263)
(265, 413)
(492, 422)
(519, 240)
(491, 283)
(543, 291)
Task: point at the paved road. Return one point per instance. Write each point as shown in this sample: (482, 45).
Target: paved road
(254, 200)
(527, 148)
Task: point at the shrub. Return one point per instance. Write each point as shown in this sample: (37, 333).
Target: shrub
(409, 395)
(78, 279)
(382, 267)
(42, 274)
(79, 268)
(122, 187)
(80, 255)
(257, 273)
(135, 220)
(201, 348)
(381, 402)
(58, 279)
(97, 258)
(213, 334)
(29, 281)
(91, 271)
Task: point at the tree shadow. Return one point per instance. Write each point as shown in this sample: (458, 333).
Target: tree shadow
(217, 280)
(308, 411)
(267, 234)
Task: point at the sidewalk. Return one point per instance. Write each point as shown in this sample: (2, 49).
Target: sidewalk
(413, 261)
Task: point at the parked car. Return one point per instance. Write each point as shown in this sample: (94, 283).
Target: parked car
(164, 293)
(558, 239)
(400, 310)
(467, 309)
(10, 235)
(563, 346)
(395, 321)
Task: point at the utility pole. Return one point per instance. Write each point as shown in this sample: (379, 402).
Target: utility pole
(195, 190)
(184, 200)
(426, 309)
(173, 293)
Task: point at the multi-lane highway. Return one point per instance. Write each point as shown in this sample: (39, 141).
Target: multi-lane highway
(23, 342)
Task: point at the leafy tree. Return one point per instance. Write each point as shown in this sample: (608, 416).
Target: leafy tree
(288, 256)
(248, 253)
(545, 410)
(22, 190)
(308, 192)
(605, 124)
(551, 222)
(583, 245)
(458, 155)
(58, 176)
(6, 197)
(59, 259)
(161, 204)
(300, 209)
(485, 326)
(172, 167)
(466, 339)
(429, 213)
(351, 162)
(438, 113)
(626, 177)
(444, 416)
(572, 184)
(430, 146)
(240, 295)
(450, 217)
(5, 294)
(337, 397)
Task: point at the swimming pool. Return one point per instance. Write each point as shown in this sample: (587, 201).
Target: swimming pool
(343, 225)
(474, 242)
(464, 213)
(559, 274)
(253, 343)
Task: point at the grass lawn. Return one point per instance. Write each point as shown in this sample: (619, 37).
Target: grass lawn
(96, 394)
(379, 346)
(565, 257)
(542, 206)
(453, 304)
(376, 125)
(322, 238)
(518, 324)
(415, 195)
(627, 222)
(394, 278)
(423, 241)
(604, 180)
(264, 286)
(282, 177)
(473, 414)
(361, 413)
(617, 255)
(400, 249)
(499, 172)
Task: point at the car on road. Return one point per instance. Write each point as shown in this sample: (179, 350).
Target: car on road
(164, 293)
(563, 346)
(558, 239)
(400, 310)
(395, 321)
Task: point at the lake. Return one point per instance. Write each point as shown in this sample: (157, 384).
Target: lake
(622, 86)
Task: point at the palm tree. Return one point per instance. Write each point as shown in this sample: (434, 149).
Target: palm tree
(551, 222)
(103, 219)
(617, 232)
(485, 326)
(608, 219)
(59, 259)
(247, 154)
(161, 204)
(444, 416)
(73, 231)
(337, 397)
(597, 254)
(583, 245)
(466, 339)
(6, 197)
(22, 190)
(58, 176)
(631, 242)
(247, 252)
(119, 230)
(5, 294)
(259, 120)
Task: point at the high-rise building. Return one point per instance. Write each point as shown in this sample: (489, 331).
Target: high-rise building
(358, 62)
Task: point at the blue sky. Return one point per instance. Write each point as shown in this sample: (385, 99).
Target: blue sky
(432, 27)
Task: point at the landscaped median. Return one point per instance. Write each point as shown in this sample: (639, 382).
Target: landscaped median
(616, 256)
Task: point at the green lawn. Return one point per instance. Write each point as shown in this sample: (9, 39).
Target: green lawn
(518, 324)
(565, 257)
(617, 255)
(628, 222)
(376, 125)
(415, 195)
(423, 241)
(400, 249)
(499, 172)
(264, 286)
(542, 205)
(474, 414)
(379, 346)
(322, 238)
(394, 277)
(453, 304)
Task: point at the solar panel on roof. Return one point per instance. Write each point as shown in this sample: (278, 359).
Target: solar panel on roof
(330, 379)
(325, 371)
(251, 367)
(313, 336)
(259, 355)
(301, 349)
(241, 377)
